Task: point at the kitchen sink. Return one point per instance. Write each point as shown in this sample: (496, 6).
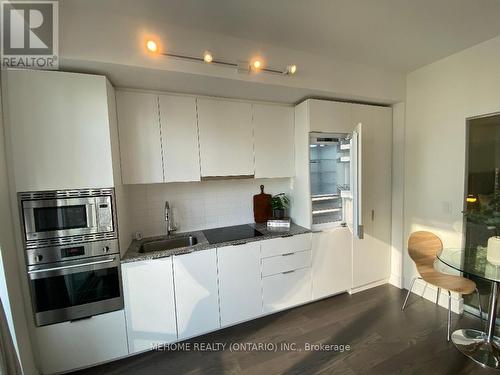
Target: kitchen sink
(168, 244)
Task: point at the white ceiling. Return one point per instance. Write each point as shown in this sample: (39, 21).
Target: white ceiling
(399, 35)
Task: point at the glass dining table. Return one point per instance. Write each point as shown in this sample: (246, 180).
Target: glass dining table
(482, 347)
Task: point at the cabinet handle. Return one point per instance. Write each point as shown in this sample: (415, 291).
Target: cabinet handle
(373, 215)
(287, 254)
(80, 319)
(287, 272)
(239, 243)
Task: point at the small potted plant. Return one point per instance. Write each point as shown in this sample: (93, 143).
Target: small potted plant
(280, 203)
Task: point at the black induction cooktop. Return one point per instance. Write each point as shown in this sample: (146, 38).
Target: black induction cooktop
(234, 233)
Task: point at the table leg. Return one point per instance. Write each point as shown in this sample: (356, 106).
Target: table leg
(481, 347)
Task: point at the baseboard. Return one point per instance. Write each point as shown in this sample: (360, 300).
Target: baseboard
(368, 286)
(428, 291)
(396, 280)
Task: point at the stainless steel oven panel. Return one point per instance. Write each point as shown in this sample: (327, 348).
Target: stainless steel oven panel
(79, 311)
(73, 266)
(52, 254)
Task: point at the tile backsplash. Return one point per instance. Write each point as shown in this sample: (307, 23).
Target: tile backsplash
(196, 205)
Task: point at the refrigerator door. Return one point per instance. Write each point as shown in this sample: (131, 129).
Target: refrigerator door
(356, 220)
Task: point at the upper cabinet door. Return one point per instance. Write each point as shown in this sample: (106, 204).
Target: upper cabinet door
(139, 134)
(330, 117)
(226, 138)
(58, 130)
(179, 131)
(274, 140)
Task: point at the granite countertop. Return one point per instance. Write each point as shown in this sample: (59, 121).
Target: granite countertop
(133, 254)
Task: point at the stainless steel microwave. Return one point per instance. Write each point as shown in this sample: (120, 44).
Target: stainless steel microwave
(55, 217)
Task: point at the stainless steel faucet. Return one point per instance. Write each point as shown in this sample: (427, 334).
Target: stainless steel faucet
(169, 222)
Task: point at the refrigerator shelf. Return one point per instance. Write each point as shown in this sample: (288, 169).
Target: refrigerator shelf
(345, 146)
(326, 211)
(326, 197)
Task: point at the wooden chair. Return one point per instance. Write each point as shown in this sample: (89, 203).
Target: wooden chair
(422, 248)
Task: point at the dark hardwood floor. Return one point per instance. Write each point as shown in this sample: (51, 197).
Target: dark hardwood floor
(382, 339)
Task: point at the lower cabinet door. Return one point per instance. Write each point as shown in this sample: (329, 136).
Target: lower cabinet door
(286, 289)
(239, 282)
(196, 293)
(148, 289)
(332, 262)
(71, 345)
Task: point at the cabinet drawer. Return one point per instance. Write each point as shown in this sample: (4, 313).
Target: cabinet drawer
(71, 345)
(283, 245)
(285, 290)
(286, 262)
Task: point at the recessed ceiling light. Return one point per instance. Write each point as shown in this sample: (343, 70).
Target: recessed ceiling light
(152, 46)
(257, 64)
(291, 69)
(208, 57)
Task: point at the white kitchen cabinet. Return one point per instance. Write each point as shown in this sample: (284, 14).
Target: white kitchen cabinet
(58, 130)
(148, 290)
(286, 262)
(139, 134)
(196, 293)
(331, 262)
(179, 134)
(371, 255)
(71, 345)
(330, 117)
(274, 140)
(240, 288)
(285, 245)
(285, 290)
(286, 272)
(226, 138)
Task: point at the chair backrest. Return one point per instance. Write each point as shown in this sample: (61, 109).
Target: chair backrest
(423, 247)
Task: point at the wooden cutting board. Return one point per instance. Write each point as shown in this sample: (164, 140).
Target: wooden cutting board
(261, 206)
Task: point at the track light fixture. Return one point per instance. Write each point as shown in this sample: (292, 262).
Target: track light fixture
(255, 65)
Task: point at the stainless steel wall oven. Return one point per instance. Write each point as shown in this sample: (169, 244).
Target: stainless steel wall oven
(72, 253)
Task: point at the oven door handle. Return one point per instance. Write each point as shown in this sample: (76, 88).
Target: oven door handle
(72, 266)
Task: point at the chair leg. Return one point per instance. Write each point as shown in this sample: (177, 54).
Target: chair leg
(437, 295)
(479, 304)
(409, 291)
(449, 316)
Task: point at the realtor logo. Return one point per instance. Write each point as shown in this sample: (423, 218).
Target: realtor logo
(29, 34)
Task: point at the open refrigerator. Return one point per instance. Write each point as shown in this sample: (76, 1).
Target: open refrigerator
(335, 180)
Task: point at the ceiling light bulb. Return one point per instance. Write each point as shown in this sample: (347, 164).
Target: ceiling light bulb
(208, 57)
(291, 69)
(471, 199)
(257, 64)
(152, 46)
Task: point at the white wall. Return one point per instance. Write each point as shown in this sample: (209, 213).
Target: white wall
(196, 205)
(10, 265)
(4, 297)
(397, 224)
(96, 35)
(440, 97)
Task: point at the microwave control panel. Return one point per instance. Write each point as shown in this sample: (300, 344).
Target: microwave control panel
(104, 214)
